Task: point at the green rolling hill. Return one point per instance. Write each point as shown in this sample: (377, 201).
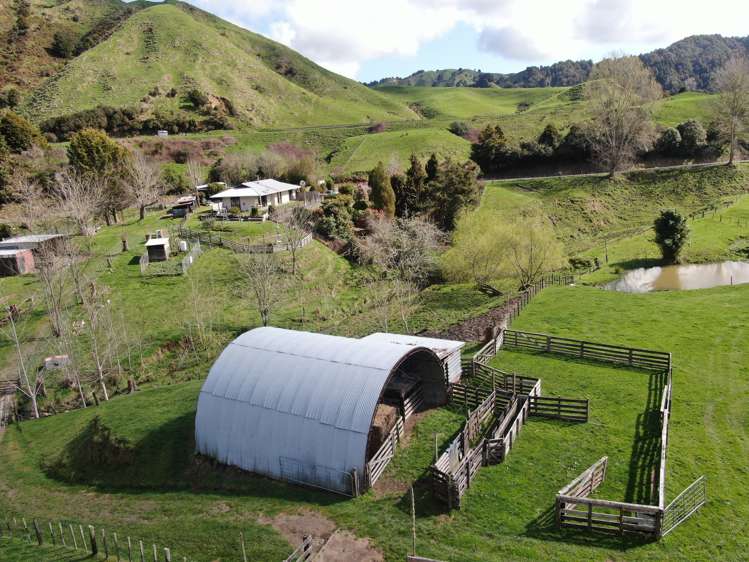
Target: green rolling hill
(175, 46)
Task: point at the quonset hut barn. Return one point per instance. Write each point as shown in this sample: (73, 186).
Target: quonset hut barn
(312, 408)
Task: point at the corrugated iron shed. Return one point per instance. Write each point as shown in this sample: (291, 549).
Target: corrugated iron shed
(296, 405)
(447, 350)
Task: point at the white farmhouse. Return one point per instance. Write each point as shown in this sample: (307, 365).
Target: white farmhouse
(257, 194)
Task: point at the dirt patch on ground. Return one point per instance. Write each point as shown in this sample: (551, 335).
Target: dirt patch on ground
(330, 544)
(343, 546)
(476, 328)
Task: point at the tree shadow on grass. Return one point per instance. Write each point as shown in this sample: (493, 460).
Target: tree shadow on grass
(637, 263)
(164, 462)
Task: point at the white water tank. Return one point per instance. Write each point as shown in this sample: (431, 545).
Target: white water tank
(183, 245)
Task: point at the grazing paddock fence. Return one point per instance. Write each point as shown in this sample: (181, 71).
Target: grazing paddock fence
(568, 409)
(170, 267)
(93, 542)
(303, 552)
(579, 349)
(96, 543)
(576, 510)
(239, 246)
(379, 461)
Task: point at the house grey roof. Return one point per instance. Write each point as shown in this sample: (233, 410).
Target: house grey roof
(257, 189)
(27, 240)
(295, 405)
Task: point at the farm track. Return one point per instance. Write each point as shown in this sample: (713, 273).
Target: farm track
(627, 171)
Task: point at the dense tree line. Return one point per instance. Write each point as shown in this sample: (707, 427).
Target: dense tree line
(121, 122)
(689, 64)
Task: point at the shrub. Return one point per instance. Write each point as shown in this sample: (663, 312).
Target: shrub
(19, 133)
(253, 212)
(237, 211)
(376, 128)
(63, 45)
(9, 98)
(581, 263)
(174, 181)
(5, 231)
(550, 137)
(459, 128)
(346, 189)
(693, 137)
(671, 233)
(669, 142)
(197, 98)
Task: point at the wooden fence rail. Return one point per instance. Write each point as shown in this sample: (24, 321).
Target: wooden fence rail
(379, 461)
(580, 349)
(568, 409)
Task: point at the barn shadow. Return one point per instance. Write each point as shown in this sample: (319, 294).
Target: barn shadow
(164, 462)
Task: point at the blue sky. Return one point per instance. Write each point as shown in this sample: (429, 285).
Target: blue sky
(367, 40)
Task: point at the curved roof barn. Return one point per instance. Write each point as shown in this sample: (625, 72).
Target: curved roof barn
(299, 406)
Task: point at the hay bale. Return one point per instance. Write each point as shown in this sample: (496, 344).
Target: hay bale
(384, 420)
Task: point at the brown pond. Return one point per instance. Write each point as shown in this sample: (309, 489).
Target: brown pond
(682, 277)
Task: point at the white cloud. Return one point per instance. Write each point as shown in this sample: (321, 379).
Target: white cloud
(509, 43)
(344, 34)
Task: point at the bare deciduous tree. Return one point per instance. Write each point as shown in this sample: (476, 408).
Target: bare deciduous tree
(101, 332)
(296, 221)
(144, 177)
(80, 198)
(24, 385)
(52, 270)
(196, 175)
(403, 254)
(33, 202)
(732, 107)
(619, 92)
(264, 277)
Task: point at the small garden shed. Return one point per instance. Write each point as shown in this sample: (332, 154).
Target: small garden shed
(16, 262)
(157, 248)
(301, 407)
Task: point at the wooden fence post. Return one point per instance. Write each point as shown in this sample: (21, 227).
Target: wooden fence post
(62, 534)
(155, 554)
(72, 534)
(244, 551)
(52, 534)
(106, 546)
(142, 552)
(38, 533)
(116, 546)
(92, 538)
(413, 522)
(167, 555)
(129, 550)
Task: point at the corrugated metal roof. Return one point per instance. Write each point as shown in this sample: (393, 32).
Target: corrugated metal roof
(256, 189)
(281, 400)
(157, 242)
(441, 347)
(28, 239)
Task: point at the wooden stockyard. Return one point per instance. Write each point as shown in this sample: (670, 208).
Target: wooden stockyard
(509, 399)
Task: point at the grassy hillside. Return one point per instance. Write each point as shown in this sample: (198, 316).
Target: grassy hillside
(585, 210)
(467, 103)
(362, 152)
(26, 61)
(163, 495)
(177, 46)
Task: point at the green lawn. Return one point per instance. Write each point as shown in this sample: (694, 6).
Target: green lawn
(678, 108)
(163, 497)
